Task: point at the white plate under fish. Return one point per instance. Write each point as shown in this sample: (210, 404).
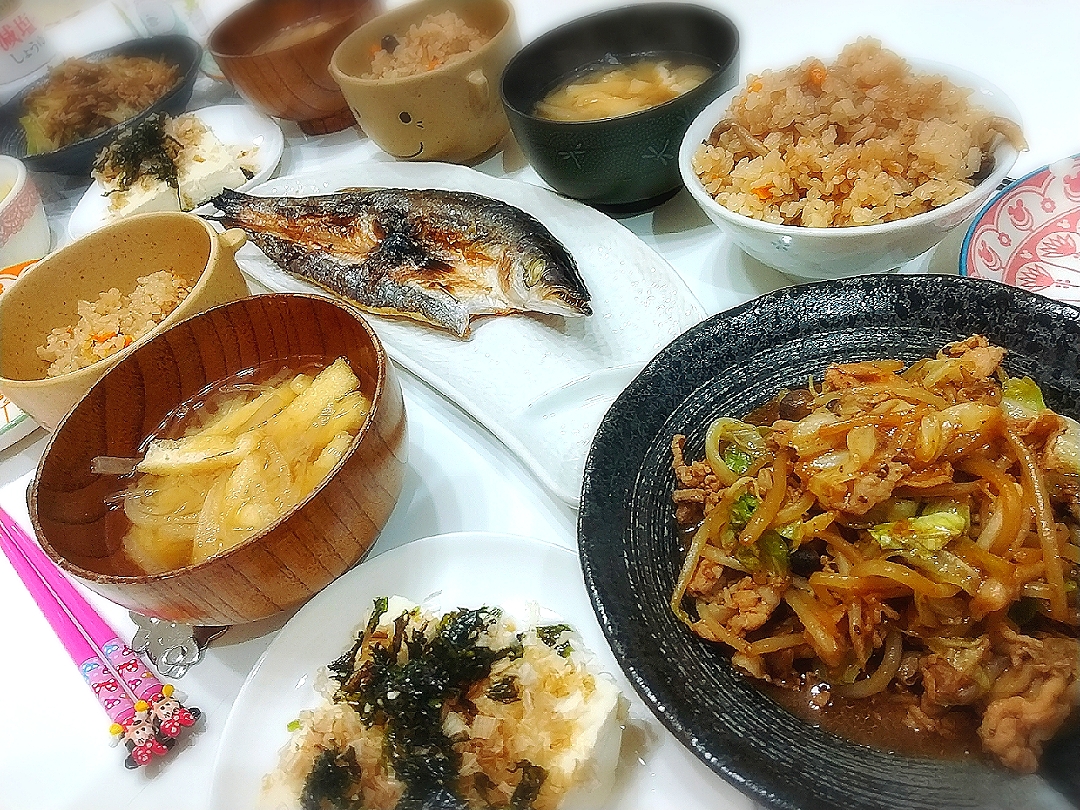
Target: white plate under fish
(467, 569)
(540, 384)
(236, 125)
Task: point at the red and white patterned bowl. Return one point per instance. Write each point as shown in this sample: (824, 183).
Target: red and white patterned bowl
(1028, 235)
(24, 238)
(24, 231)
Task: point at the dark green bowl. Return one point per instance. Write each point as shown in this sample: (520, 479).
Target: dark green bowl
(627, 163)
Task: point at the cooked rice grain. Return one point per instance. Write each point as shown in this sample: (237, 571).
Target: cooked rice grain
(113, 322)
(437, 40)
(859, 142)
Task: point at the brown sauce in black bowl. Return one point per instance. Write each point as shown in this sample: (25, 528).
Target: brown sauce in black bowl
(880, 720)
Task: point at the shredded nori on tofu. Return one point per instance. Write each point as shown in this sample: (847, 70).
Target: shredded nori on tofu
(505, 690)
(341, 668)
(141, 149)
(403, 686)
(550, 635)
(528, 789)
(334, 779)
(378, 610)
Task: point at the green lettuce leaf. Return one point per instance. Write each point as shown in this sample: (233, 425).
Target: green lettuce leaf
(921, 541)
(770, 553)
(742, 510)
(1022, 398)
(931, 531)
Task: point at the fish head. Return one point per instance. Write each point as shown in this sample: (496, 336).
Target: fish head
(546, 278)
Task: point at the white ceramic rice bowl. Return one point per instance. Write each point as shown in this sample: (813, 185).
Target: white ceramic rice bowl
(826, 253)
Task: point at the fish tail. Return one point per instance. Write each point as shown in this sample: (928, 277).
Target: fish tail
(230, 202)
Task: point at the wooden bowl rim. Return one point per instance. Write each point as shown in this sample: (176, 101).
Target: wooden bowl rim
(377, 398)
(35, 271)
(251, 7)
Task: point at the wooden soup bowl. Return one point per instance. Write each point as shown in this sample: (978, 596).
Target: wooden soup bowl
(289, 561)
(291, 81)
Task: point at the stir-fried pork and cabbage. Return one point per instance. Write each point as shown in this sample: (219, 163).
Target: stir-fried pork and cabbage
(903, 531)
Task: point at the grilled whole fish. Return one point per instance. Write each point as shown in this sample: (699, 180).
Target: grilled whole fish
(436, 256)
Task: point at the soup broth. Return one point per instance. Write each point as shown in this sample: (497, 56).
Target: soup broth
(608, 90)
(231, 462)
(295, 34)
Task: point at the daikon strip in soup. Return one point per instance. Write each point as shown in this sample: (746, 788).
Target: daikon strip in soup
(611, 90)
(247, 455)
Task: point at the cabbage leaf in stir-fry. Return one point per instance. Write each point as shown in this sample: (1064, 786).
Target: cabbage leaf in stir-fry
(905, 530)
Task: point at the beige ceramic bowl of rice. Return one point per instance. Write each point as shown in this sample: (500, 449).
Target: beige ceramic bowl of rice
(423, 79)
(911, 188)
(79, 311)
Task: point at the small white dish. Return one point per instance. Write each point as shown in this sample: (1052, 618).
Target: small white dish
(468, 569)
(824, 253)
(236, 125)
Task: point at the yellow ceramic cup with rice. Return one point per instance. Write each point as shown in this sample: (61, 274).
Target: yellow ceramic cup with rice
(85, 307)
(423, 80)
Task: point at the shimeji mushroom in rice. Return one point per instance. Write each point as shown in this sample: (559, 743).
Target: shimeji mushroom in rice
(862, 141)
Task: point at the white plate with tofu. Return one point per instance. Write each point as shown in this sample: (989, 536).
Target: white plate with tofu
(238, 135)
(526, 578)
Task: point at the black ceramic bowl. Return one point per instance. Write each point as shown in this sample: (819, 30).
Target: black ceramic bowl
(78, 157)
(727, 365)
(630, 162)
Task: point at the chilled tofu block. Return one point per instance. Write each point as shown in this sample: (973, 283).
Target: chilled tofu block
(166, 164)
(146, 196)
(519, 715)
(204, 169)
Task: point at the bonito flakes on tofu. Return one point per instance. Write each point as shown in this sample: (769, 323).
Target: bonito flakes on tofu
(455, 710)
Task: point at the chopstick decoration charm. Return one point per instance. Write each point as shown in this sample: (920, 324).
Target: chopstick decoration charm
(146, 714)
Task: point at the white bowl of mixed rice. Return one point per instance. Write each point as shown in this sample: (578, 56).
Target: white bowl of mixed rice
(851, 181)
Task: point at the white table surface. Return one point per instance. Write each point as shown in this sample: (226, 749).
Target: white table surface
(54, 750)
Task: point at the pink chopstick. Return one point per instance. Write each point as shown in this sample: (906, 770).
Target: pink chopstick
(144, 712)
(111, 694)
(137, 676)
